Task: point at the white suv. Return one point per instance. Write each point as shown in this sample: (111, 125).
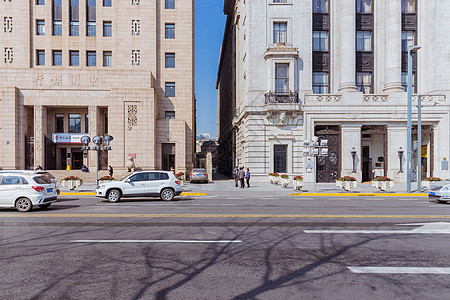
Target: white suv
(142, 184)
(23, 191)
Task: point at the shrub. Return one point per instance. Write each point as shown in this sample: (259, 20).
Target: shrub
(432, 179)
(72, 178)
(382, 178)
(179, 175)
(107, 178)
(298, 178)
(346, 178)
(275, 174)
(285, 176)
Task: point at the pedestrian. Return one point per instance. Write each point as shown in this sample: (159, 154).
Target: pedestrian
(172, 170)
(247, 177)
(241, 175)
(110, 171)
(235, 176)
(83, 168)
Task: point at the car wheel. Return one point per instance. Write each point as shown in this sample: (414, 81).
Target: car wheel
(24, 204)
(167, 195)
(46, 205)
(114, 196)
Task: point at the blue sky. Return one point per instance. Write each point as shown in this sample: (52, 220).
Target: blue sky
(209, 27)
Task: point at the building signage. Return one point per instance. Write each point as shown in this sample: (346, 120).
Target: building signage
(71, 138)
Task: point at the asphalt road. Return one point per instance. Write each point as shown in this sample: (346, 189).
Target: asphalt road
(228, 244)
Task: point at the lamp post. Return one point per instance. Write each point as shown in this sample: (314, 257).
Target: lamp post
(97, 141)
(353, 159)
(400, 158)
(408, 120)
(314, 150)
(419, 144)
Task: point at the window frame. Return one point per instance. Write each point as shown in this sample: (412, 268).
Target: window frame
(107, 29)
(73, 56)
(405, 7)
(54, 56)
(361, 40)
(89, 55)
(40, 24)
(281, 83)
(169, 33)
(362, 87)
(280, 36)
(169, 4)
(169, 62)
(361, 7)
(170, 90)
(320, 40)
(106, 2)
(77, 125)
(59, 116)
(169, 115)
(38, 55)
(321, 6)
(322, 87)
(107, 57)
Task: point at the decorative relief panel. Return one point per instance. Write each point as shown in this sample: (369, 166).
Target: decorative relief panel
(375, 98)
(364, 22)
(8, 24)
(75, 80)
(321, 61)
(93, 80)
(135, 27)
(132, 115)
(364, 61)
(321, 22)
(323, 98)
(409, 22)
(9, 55)
(56, 80)
(38, 79)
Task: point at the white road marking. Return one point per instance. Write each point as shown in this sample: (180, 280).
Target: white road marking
(399, 270)
(430, 228)
(153, 241)
(164, 204)
(269, 198)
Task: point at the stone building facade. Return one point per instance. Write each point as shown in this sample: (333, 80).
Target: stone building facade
(97, 67)
(337, 69)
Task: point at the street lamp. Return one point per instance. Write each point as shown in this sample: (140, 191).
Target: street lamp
(408, 120)
(97, 141)
(419, 144)
(353, 159)
(315, 149)
(400, 158)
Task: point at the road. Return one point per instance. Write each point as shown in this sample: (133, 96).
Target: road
(257, 243)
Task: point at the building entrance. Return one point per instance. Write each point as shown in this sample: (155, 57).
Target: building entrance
(77, 158)
(328, 166)
(168, 156)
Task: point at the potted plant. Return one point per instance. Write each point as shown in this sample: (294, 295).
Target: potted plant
(382, 183)
(429, 181)
(346, 182)
(270, 175)
(106, 179)
(71, 182)
(276, 178)
(285, 180)
(298, 182)
(180, 176)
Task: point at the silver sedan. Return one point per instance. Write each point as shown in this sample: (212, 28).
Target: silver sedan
(199, 175)
(440, 191)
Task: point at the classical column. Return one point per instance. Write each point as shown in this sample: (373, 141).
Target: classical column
(93, 131)
(39, 133)
(347, 43)
(351, 138)
(393, 46)
(396, 139)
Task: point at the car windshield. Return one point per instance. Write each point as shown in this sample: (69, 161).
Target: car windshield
(42, 179)
(198, 171)
(124, 177)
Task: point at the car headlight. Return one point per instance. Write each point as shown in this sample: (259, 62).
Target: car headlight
(102, 186)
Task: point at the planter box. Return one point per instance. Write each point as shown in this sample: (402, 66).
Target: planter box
(298, 184)
(71, 184)
(285, 182)
(104, 181)
(346, 185)
(270, 178)
(427, 184)
(382, 185)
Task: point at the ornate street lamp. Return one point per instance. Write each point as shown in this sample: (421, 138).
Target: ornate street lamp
(400, 158)
(98, 142)
(354, 159)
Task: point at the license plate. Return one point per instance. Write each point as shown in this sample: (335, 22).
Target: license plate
(198, 175)
(49, 190)
(431, 194)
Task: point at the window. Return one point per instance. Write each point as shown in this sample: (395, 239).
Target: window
(364, 41)
(40, 2)
(170, 115)
(74, 58)
(279, 32)
(170, 60)
(139, 177)
(75, 123)
(40, 27)
(363, 6)
(91, 58)
(170, 89)
(86, 123)
(74, 15)
(74, 28)
(280, 158)
(40, 57)
(57, 28)
(12, 180)
(405, 81)
(135, 27)
(107, 28)
(107, 3)
(91, 29)
(57, 17)
(135, 57)
(320, 40)
(408, 40)
(320, 83)
(281, 78)
(408, 6)
(320, 6)
(107, 58)
(279, 1)
(170, 31)
(59, 123)
(364, 82)
(57, 58)
(170, 4)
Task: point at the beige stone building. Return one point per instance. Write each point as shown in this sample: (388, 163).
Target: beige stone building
(94, 67)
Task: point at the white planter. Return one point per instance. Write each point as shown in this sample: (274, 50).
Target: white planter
(298, 184)
(104, 181)
(346, 185)
(270, 178)
(383, 185)
(285, 182)
(427, 184)
(71, 184)
(276, 179)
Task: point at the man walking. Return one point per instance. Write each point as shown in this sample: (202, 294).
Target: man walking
(235, 176)
(247, 177)
(241, 176)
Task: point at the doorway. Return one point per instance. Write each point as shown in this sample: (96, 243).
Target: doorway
(63, 158)
(366, 164)
(168, 156)
(77, 158)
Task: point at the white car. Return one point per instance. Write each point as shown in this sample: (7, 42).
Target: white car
(440, 191)
(23, 191)
(40, 172)
(161, 184)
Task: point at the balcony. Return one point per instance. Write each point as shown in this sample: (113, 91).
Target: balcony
(273, 97)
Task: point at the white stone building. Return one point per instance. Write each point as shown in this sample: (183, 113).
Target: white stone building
(337, 69)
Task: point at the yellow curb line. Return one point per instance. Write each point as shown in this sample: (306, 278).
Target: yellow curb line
(360, 194)
(93, 194)
(50, 215)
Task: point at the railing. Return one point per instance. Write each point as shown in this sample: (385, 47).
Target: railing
(273, 97)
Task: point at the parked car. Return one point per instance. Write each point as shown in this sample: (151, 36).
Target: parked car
(161, 184)
(439, 191)
(199, 175)
(40, 172)
(23, 191)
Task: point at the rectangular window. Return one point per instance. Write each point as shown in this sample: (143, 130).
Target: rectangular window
(320, 40)
(57, 17)
(405, 81)
(107, 58)
(75, 123)
(86, 123)
(59, 123)
(364, 41)
(170, 4)
(408, 40)
(40, 2)
(364, 82)
(320, 83)
(170, 31)
(40, 57)
(279, 32)
(91, 29)
(107, 3)
(408, 6)
(107, 28)
(363, 6)
(281, 78)
(170, 89)
(320, 6)
(170, 115)
(135, 57)
(280, 158)
(57, 28)
(74, 16)
(91, 18)
(91, 58)
(74, 58)
(57, 58)
(74, 28)
(170, 60)
(40, 27)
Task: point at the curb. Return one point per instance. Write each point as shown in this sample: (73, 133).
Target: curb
(361, 194)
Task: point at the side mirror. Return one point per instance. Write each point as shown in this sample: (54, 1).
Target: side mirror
(128, 180)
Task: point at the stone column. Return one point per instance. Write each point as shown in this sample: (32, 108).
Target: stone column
(40, 128)
(347, 43)
(393, 48)
(396, 138)
(93, 131)
(351, 137)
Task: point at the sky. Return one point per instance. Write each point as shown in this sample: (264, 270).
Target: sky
(209, 28)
